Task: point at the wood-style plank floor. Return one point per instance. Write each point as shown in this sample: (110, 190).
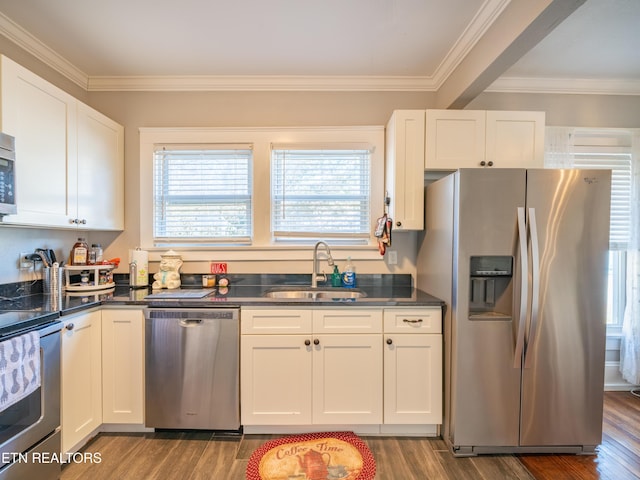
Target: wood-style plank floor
(204, 455)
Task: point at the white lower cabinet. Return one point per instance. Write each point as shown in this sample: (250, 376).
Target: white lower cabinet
(347, 379)
(304, 367)
(81, 378)
(413, 366)
(275, 380)
(123, 366)
(102, 372)
(342, 366)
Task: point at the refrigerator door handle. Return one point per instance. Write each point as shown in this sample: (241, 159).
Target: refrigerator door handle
(524, 276)
(535, 290)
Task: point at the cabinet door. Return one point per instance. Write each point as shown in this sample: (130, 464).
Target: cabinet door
(81, 388)
(123, 366)
(347, 379)
(515, 139)
(275, 379)
(405, 168)
(413, 379)
(42, 118)
(100, 171)
(454, 139)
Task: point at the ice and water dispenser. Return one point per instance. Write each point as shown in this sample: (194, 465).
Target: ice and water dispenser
(490, 286)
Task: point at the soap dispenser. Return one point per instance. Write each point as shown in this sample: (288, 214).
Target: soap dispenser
(349, 275)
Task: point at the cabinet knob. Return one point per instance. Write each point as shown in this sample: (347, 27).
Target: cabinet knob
(316, 341)
(83, 221)
(389, 341)
(483, 163)
(69, 326)
(307, 342)
(398, 224)
(490, 163)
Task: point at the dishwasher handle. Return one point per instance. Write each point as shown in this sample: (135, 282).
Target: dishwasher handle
(190, 322)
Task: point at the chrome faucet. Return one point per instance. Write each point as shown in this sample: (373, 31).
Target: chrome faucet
(315, 275)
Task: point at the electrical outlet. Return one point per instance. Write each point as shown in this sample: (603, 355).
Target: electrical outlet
(23, 262)
(392, 259)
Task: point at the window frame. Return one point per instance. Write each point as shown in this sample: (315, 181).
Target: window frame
(611, 143)
(210, 199)
(278, 197)
(262, 246)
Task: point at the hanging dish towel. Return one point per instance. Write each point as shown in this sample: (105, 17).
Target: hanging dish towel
(19, 368)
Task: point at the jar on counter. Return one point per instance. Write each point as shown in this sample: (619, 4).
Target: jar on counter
(95, 254)
(79, 252)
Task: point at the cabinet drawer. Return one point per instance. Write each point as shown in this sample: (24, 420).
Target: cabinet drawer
(347, 320)
(275, 321)
(423, 320)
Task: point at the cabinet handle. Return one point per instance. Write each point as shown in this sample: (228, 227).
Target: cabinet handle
(69, 326)
(490, 163)
(398, 224)
(483, 163)
(406, 320)
(316, 341)
(389, 341)
(307, 342)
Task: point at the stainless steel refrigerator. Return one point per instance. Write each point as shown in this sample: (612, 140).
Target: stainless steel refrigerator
(520, 257)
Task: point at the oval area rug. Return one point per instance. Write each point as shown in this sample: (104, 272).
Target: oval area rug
(313, 456)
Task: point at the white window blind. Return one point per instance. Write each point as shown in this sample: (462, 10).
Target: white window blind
(320, 192)
(202, 194)
(610, 150)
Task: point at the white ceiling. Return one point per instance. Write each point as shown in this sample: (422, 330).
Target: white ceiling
(409, 42)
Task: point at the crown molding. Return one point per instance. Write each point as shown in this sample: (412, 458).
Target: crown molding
(478, 26)
(261, 83)
(574, 86)
(35, 47)
(472, 34)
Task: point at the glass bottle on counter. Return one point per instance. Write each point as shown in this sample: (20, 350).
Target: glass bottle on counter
(79, 252)
(95, 254)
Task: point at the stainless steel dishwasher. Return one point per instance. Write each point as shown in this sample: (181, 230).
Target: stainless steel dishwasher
(192, 368)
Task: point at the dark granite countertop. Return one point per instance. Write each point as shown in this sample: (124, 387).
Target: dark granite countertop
(244, 290)
(248, 290)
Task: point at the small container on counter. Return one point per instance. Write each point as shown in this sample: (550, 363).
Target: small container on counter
(95, 254)
(208, 280)
(79, 252)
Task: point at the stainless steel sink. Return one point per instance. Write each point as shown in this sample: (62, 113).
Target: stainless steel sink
(309, 293)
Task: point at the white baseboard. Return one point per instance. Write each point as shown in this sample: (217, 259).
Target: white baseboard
(613, 380)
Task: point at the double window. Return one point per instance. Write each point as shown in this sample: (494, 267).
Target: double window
(247, 188)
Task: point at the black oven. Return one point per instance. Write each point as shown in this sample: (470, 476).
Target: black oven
(30, 428)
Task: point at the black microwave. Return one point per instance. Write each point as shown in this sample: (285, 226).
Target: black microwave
(7, 175)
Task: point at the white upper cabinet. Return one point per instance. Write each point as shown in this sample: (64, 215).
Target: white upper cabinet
(477, 138)
(100, 170)
(69, 157)
(404, 180)
(42, 118)
(515, 139)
